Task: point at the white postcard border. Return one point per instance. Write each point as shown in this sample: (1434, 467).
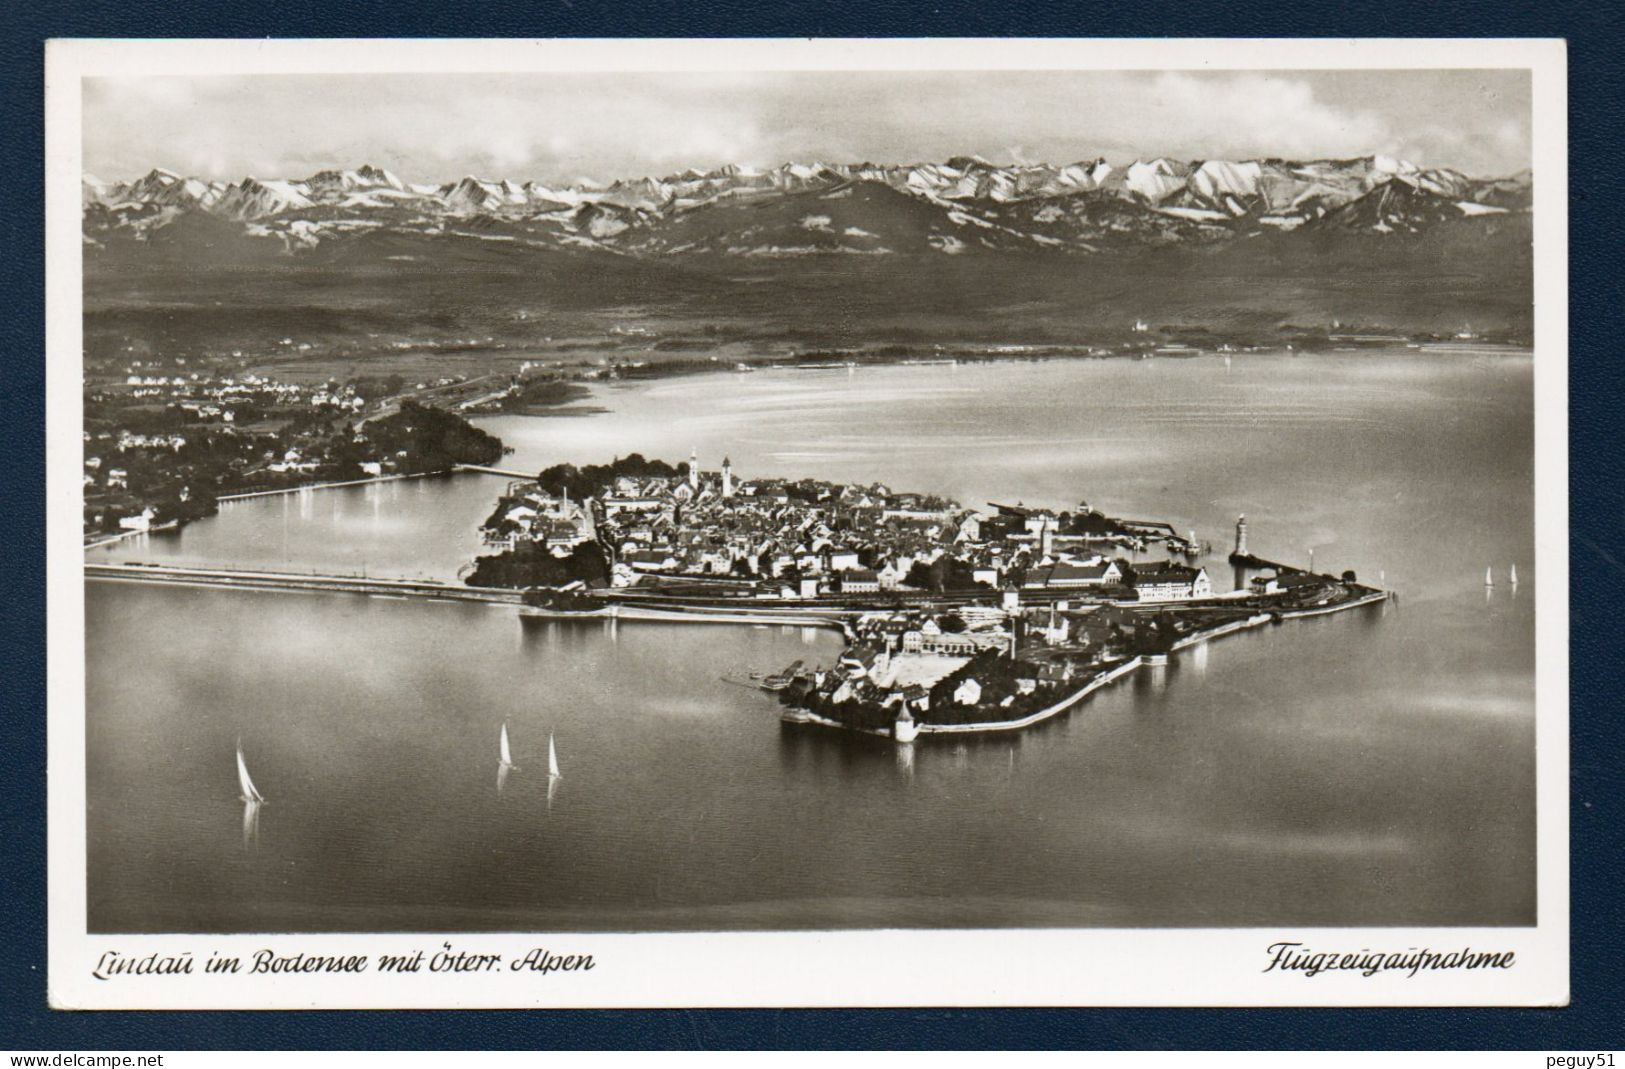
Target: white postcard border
(1098, 967)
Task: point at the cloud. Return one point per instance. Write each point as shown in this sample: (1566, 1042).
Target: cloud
(1272, 114)
(558, 126)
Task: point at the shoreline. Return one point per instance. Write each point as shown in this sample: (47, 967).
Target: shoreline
(635, 371)
(326, 486)
(176, 525)
(642, 614)
(1096, 682)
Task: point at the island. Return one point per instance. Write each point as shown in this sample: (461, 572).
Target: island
(955, 620)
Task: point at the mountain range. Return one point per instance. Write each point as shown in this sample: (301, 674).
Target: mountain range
(802, 256)
(962, 205)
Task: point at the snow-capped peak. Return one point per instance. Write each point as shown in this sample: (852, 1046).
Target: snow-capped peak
(252, 198)
(378, 176)
(1391, 165)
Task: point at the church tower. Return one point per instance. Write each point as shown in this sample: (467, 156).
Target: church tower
(727, 478)
(694, 469)
(1241, 536)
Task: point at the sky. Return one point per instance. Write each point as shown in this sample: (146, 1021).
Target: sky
(602, 126)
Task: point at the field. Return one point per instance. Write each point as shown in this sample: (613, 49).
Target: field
(456, 305)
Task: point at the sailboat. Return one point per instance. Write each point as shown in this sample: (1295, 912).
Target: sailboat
(1513, 575)
(552, 758)
(250, 793)
(507, 753)
(1489, 577)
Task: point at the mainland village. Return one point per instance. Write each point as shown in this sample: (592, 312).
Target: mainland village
(956, 620)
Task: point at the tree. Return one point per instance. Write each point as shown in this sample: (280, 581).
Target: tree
(432, 440)
(532, 565)
(594, 478)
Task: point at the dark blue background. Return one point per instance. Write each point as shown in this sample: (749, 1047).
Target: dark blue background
(1597, 547)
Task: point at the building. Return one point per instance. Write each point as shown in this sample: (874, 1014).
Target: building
(860, 581)
(650, 560)
(143, 522)
(1280, 584)
(1171, 581)
(844, 560)
(932, 639)
(1065, 574)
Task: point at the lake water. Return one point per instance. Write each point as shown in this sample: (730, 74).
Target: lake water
(1373, 768)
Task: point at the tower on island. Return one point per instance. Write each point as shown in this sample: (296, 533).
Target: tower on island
(727, 478)
(1241, 536)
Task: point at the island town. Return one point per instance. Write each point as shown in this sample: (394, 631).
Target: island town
(956, 620)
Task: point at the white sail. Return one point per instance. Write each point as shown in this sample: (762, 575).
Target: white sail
(552, 757)
(1513, 575)
(250, 792)
(1489, 577)
(507, 754)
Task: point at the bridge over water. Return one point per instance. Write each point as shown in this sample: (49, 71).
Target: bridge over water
(244, 579)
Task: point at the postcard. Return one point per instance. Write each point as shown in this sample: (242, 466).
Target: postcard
(691, 523)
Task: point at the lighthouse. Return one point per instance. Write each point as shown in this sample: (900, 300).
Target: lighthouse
(1241, 536)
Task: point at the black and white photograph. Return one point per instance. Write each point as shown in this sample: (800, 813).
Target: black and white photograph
(534, 505)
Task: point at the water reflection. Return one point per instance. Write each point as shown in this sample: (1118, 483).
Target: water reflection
(251, 824)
